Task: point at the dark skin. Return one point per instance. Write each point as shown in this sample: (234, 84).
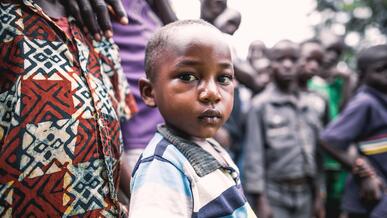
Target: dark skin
(257, 50)
(210, 9)
(285, 55)
(334, 47)
(310, 63)
(95, 15)
(371, 185)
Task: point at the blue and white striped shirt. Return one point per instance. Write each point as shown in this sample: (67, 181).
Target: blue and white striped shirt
(183, 180)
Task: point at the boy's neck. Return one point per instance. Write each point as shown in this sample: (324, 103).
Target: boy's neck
(53, 8)
(303, 85)
(286, 87)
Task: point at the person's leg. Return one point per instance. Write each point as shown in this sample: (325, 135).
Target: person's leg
(303, 202)
(279, 200)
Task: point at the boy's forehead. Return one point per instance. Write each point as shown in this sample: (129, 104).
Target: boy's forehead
(310, 48)
(286, 50)
(198, 35)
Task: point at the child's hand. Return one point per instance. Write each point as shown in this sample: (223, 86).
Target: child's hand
(362, 168)
(263, 208)
(319, 211)
(371, 189)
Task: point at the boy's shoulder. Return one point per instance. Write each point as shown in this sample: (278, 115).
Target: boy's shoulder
(160, 148)
(261, 99)
(367, 97)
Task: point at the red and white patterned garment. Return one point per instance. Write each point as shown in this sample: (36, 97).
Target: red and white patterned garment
(62, 97)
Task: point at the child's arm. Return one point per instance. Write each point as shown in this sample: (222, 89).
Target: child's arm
(254, 163)
(343, 131)
(371, 186)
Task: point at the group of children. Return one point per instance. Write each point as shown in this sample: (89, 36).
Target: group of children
(63, 96)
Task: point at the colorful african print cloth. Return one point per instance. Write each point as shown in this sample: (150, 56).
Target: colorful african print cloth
(61, 101)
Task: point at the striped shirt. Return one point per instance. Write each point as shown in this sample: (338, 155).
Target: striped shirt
(177, 178)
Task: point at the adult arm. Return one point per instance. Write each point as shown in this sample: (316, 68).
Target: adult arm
(163, 10)
(244, 73)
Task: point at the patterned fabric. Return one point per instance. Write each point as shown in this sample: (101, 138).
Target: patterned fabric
(61, 100)
(177, 178)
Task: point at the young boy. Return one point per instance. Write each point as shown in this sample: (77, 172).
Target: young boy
(62, 96)
(182, 173)
(281, 137)
(309, 65)
(364, 122)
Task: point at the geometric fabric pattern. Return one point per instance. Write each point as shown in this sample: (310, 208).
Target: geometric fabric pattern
(61, 101)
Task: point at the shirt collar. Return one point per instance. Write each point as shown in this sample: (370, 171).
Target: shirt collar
(279, 97)
(202, 162)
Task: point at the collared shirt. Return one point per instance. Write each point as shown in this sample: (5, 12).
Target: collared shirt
(363, 122)
(177, 178)
(281, 139)
(61, 99)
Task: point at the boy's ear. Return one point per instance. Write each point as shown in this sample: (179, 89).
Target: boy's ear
(147, 92)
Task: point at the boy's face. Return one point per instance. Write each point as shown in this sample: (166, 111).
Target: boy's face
(256, 51)
(193, 85)
(310, 61)
(376, 75)
(263, 68)
(284, 59)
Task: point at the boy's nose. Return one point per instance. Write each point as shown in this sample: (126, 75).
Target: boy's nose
(288, 64)
(209, 93)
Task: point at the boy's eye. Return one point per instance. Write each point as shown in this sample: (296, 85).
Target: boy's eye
(225, 79)
(187, 77)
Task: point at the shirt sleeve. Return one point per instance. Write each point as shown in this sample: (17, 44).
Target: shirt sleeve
(159, 189)
(254, 172)
(348, 126)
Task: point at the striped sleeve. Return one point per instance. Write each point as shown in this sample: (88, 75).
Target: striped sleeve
(160, 189)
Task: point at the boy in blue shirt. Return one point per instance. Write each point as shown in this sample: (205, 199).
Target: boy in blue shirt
(364, 122)
(182, 172)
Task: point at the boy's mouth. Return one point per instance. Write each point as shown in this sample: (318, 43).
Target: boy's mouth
(210, 116)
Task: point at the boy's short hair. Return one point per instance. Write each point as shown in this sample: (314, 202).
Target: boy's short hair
(369, 56)
(279, 45)
(312, 41)
(160, 40)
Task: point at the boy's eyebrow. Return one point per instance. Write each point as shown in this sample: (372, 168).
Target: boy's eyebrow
(196, 62)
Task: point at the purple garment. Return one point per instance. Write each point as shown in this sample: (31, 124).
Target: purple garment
(132, 39)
